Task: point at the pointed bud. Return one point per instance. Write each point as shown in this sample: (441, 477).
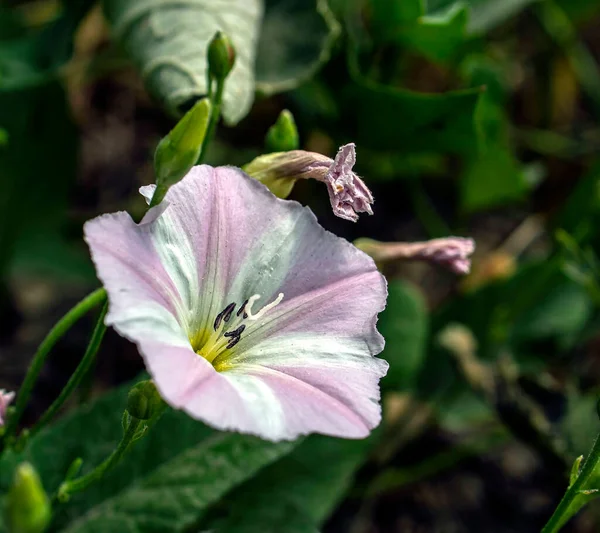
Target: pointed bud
(143, 401)
(5, 399)
(283, 135)
(179, 151)
(347, 192)
(221, 56)
(451, 252)
(27, 507)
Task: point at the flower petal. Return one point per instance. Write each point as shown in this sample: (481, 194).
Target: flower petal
(218, 238)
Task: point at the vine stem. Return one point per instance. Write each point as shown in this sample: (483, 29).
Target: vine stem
(55, 334)
(565, 509)
(69, 487)
(80, 372)
(217, 100)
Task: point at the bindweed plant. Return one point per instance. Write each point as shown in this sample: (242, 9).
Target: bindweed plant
(308, 343)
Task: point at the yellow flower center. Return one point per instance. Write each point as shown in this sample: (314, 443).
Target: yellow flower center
(228, 328)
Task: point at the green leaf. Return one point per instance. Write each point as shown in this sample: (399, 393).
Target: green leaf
(33, 59)
(492, 178)
(168, 40)
(486, 14)
(296, 39)
(389, 118)
(174, 495)
(179, 456)
(437, 36)
(404, 324)
(299, 491)
(35, 180)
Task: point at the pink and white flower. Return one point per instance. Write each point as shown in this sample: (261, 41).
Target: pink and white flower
(5, 400)
(248, 314)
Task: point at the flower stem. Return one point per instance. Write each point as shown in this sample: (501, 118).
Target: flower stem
(70, 487)
(33, 372)
(567, 506)
(80, 372)
(216, 100)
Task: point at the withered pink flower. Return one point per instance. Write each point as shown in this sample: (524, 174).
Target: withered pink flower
(5, 400)
(248, 314)
(348, 194)
(453, 253)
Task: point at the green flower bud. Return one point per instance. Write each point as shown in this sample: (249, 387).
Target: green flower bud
(283, 135)
(144, 401)
(27, 505)
(179, 151)
(221, 56)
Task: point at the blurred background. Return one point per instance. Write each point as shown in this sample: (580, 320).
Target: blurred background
(476, 118)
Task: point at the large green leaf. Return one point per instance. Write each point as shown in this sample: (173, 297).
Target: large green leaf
(298, 492)
(173, 497)
(404, 324)
(390, 118)
(437, 36)
(167, 40)
(296, 39)
(179, 456)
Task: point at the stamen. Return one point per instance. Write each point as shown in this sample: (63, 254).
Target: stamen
(233, 342)
(242, 309)
(224, 315)
(235, 333)
(266, 308)
(228, 311)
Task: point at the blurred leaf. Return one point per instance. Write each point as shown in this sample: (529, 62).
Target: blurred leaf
(485, 14)
(390, 118)
(297, 493)
(493, 175)
(34, 58)
(37, 166)
(491, 179)
(296, 39)
(175, 471)
(580, 215)
(168, 40)
(561, 312)
(580, 424)
(404, 325)
(437, 36)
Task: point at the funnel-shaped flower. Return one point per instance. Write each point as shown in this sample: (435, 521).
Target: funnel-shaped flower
(249, 315)
(5, 399)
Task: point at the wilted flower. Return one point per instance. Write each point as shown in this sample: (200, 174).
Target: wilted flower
(5, 400)
(249, 315)
(347, 192)
(451, 252)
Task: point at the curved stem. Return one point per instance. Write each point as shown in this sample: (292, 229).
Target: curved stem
(63, 325)
(78, 375)
(69, 487)
(566, 509)
(217, 100)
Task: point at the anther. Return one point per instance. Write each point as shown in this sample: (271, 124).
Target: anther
(242, 309)
(228, 311)
(233, 342)
(224, 315)
(236, 332)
